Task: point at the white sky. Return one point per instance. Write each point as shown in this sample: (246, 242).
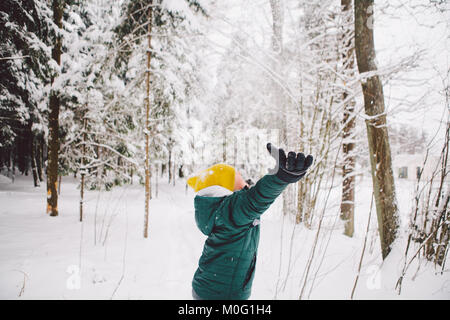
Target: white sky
(400, 33)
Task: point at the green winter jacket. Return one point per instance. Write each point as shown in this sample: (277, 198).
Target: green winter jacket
(227, 265)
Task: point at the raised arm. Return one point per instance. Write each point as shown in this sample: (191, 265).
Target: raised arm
(250, 204)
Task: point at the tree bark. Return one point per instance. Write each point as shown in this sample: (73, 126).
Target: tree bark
(38, 157)
(147, 120)
(83, 169)
(348, 167)
(13, 166)
(33, 156)
(53, 121)
(377, 133)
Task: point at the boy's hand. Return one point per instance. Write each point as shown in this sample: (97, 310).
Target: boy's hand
(292, 168)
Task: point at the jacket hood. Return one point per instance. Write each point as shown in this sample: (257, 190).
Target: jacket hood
(206, 204)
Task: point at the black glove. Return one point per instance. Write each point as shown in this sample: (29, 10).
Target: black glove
(292, 168)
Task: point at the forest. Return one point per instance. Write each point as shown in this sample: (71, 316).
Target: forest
(108, 107)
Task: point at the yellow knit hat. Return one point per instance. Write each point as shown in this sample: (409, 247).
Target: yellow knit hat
(218, 175)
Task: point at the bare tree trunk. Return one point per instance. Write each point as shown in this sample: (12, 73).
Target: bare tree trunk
(156, 180)
(444, 215)
(147, 122)
(277, 26)
(81, 197)
(437, 245)
(38, 158)
(348, 183)
(53, 121)
(174, 172)
(33, 157)
(169, 166)
(377, 133)
(83, 169)
(13, 167)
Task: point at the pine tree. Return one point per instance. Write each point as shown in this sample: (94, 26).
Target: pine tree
(53, 120)
(24, 72)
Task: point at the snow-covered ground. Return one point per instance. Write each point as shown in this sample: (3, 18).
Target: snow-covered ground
(106, 256)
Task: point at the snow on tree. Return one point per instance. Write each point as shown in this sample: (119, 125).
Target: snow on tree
(155, 34)
(25, 70)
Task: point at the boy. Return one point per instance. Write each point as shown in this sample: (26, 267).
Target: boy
(228, 212)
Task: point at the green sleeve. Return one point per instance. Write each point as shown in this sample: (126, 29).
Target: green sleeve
(250, 204)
